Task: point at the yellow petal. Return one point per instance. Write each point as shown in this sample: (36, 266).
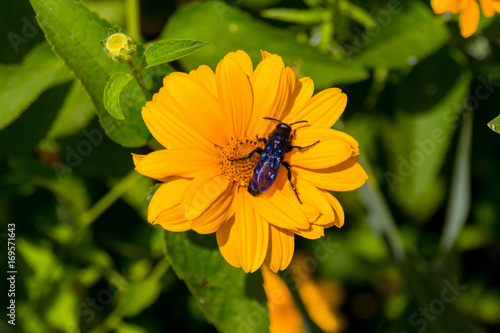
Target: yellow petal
(173, 220)
(170, 128)
(346, 176)
(284, 316)
(495, 4)
(469, 19)
(279, 205)
(175, 162)
(270, 90)
(312, 196)
(137, 158)
(247, 237)
(322, 110)
(443, 6)
(202, 192)
(167, 196)
(205, 77)
(235, 96)
(216, 214)
(199, 107)
(280, 249)
(226, 247)
(243, 59)
(334, 148)
(314, 232)
(337, 207)
(302, 91)
(265, 54)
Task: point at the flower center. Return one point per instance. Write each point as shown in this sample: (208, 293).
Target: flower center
(234, 160)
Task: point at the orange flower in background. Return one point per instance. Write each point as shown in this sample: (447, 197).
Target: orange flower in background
(210, 122)
(284, 315)
(321, 300)
(469, 12)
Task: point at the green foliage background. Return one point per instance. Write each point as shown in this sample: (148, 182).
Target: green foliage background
(420, 98)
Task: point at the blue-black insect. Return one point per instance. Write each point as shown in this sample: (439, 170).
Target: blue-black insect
(278, 143)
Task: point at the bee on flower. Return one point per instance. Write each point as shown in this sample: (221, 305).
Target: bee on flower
(214, 127)
(469, 12)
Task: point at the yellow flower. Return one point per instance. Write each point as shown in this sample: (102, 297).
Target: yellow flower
(469, 12)
(210, 122)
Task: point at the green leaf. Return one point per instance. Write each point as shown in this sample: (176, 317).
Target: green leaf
(75, 114)
(75, 33)
(230, 299)
(495, 124)
(298, 16)
(419, 134)
(112, 93)
(169, 50)
(231, 30)
(34, 124)
(415, 33)
(460, 196)
(140, 294)
(21, 84)
(358, 14)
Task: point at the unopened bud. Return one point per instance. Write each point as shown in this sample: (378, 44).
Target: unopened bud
(119, 47)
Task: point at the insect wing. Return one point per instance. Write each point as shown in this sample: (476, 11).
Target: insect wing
(265, 174)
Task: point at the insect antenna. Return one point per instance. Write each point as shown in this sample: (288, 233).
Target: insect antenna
(269, 118)
(298, 122)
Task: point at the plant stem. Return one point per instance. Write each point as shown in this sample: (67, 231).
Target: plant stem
(132, 13)
(136, 72)
(109, 198)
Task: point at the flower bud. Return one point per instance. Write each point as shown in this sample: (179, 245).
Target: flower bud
(119, 47)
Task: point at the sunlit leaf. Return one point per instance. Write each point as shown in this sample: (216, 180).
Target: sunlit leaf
(76, 113)
(140, 294)
(21, 84)
(411, 34)
(495, 124)
(75, 34)
(299, 16)
(231, 30)
(169, 50)
(230, 299)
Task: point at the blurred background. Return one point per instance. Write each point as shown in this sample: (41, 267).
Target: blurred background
(419, 251)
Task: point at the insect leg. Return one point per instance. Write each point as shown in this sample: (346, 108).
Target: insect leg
(257, 150)
(298, 147)
(287, 166)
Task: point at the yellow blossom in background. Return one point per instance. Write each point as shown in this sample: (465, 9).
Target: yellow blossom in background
(284, 315)
(209, 123)
(469, 12)
(321, 300)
